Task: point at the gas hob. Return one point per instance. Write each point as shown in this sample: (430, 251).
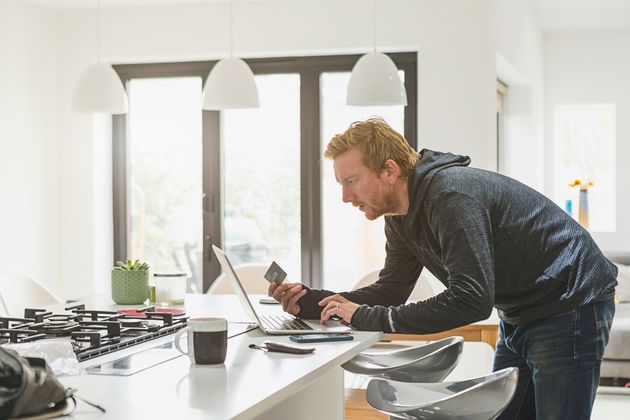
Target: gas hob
(92, 333)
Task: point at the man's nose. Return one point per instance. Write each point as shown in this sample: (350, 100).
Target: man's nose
(346, 196)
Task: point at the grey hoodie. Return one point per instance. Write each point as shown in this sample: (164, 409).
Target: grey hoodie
(491, 240)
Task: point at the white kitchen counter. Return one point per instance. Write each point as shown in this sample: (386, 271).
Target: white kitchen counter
(251, 383)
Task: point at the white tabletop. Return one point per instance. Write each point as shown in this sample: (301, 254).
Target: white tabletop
(249, 383)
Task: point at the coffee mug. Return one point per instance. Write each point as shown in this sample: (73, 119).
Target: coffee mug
(207, 340)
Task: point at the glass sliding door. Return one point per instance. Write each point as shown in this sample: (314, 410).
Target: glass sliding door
(352, 245)
(250, 180)
(164, 130)
(261, 179)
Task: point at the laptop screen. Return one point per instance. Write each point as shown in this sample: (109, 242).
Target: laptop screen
(236, 284)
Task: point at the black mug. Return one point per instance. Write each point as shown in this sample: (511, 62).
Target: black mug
(207, 340)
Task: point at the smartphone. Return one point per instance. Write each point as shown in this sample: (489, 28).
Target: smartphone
(320, 338)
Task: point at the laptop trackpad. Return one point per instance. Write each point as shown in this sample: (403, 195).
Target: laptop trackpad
(329, 327)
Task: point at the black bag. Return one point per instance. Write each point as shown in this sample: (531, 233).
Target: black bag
(27, 386)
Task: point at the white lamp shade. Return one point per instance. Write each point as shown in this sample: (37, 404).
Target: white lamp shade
(100, 90)
(230, 84)
(375, 81)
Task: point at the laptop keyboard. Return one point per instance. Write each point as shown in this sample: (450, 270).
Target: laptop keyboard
(278, 322)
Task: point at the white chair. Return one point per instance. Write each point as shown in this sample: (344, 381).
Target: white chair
(18, 292)
(250, 275)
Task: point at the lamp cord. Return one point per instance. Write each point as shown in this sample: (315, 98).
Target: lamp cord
(374, 26)
(231, 27)
(98, 31)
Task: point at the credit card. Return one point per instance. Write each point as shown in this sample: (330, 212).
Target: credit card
(275, 273)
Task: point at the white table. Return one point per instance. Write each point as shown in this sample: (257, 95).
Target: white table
(251, 384)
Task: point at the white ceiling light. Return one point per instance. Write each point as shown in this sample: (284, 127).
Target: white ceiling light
(230, 83)
(99, 88)
(375, 81)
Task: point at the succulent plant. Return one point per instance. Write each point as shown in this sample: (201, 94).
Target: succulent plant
(136, 265)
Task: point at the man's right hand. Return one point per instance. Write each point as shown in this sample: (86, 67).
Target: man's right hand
(288, 294)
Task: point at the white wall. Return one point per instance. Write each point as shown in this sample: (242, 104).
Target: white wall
(520, 66)
(593, 67)
(29, 222)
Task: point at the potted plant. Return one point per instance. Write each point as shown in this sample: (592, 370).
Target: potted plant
(130, 282)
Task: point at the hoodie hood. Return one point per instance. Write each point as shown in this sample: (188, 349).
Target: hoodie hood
(430, 163)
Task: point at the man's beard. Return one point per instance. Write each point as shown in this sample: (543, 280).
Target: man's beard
(386, 207)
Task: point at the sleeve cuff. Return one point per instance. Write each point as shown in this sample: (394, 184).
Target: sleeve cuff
(376, 318)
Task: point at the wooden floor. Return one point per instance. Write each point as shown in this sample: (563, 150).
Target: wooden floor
(357, 407)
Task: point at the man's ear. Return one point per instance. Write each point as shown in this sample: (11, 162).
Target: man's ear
(391, 170)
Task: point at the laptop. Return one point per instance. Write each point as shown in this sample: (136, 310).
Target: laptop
(274, 324)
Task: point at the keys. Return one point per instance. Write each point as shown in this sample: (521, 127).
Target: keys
(277, 322)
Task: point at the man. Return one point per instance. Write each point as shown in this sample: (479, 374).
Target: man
(493, 242)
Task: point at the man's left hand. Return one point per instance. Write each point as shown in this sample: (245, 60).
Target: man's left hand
(337, 305)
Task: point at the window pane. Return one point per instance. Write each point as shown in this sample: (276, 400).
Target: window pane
(165, 130)
(262, 176)
(585, 151)
(352, 245)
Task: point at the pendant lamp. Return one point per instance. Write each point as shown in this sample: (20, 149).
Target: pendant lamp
(375, 81)
(99, 88)
(230, 83)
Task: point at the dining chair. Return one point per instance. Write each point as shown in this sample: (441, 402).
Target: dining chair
(250, 275)
(421, 291)
(18, 292)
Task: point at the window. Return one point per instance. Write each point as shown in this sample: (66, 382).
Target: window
(165, 182)
(166, 169)
(262, 176)
(247, 180)
(584, 156)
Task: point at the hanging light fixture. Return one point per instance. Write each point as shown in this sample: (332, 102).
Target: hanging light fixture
(230, 83)
(374, 80)
(99, 88)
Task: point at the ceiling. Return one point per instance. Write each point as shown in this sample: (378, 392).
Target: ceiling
(553, 15)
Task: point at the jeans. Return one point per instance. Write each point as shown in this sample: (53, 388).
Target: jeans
(558, 360)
